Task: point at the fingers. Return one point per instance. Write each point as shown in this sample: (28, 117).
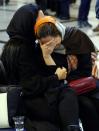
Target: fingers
(57, 40)
(51, 42)
(93, 57)
(61, 73)
(93, 53)
(50, 45)
(47, 47)
(40, 15)
(64, 69)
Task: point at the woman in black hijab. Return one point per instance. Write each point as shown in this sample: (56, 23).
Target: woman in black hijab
(20, 31)
(23, 22)
(47, 106)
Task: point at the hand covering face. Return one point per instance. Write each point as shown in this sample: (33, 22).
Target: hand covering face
(74, 40)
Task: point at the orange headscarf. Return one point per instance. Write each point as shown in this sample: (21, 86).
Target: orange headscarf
(43, 20)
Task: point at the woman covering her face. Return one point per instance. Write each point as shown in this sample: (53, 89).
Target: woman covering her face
(69, 41)
(47, 105)
(69, 48)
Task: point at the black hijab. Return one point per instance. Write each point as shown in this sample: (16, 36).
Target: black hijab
(21, 32)
(77, 42)
(22, 23)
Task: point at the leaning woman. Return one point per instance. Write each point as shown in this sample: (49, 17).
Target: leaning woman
(72, 50)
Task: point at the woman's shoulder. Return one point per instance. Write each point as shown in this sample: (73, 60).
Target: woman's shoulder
(77, 42)
(72, 31)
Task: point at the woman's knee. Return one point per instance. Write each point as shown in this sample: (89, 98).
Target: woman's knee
(69, 94)
(68, 98)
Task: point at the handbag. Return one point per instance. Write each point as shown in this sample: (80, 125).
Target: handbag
(83, 85)
(10, 98)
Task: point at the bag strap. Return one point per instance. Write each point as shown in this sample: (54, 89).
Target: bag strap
(3, 69)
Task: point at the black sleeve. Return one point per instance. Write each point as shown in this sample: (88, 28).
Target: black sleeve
(84, 67)
(33, 84)
(77, 42)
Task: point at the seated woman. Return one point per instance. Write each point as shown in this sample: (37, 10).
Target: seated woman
(48, 106)
(72, 46)
(71, 41)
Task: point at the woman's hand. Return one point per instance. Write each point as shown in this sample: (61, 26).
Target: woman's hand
(61, 73)
(47, 48)
(57, 41)
(93, 57)
(72, 62)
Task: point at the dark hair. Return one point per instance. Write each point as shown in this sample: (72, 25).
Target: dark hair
(47, 29)
(10, 58)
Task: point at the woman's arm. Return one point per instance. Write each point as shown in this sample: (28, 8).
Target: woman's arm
(84, 68)
(32, 82)
(47, 49)
(49, 60)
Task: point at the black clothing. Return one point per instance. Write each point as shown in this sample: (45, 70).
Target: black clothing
(63, 11)
(77, 42)
(40, 126)
(52, 4)
(89, 112)
(97, 9)
(42, 4)
(84, 10)
(44, 94)
(43, 90)
(84, 67)
(22, 23)
(7, 2)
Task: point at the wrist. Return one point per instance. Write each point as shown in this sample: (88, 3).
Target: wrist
(46, 56)
(48, 60)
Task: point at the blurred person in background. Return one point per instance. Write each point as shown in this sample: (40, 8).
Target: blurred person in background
(97, 9)
(47, 4)
(52, 4)
(97, 16)
(7, 2)
(64, 13)
(42, 4)
(83, 14)
(2, 2)
(73, 1)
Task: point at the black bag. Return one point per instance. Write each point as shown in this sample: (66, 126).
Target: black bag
(12, 99)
